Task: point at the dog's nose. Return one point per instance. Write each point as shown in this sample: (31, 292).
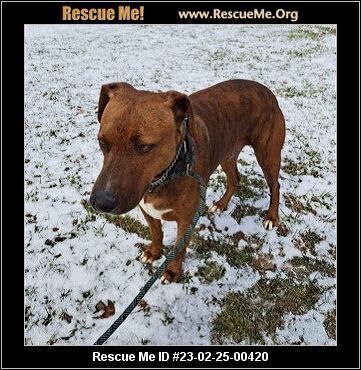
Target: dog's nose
(103, 201)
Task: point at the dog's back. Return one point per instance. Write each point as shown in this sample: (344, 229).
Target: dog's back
(237, 113)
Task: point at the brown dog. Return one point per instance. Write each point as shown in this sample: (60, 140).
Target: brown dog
(144, 139)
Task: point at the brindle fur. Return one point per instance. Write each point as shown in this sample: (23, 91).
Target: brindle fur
(222, 120)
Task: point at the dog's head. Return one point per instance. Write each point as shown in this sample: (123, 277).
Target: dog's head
(139, 134)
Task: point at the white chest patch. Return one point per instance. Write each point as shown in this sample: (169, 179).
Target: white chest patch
(155, 213)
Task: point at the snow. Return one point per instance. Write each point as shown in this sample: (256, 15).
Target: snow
(65, 65)
(308, 327)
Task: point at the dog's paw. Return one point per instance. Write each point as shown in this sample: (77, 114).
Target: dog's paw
(269, 225)
(148, 257)
(164, 280)
(213, 209)
(169, 276)
(218, 207)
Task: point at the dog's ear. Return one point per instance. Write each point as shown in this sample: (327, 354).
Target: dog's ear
(107, 91)
(179, 103)
(103, 100)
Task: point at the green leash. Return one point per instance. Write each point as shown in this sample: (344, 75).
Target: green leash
(170, 257)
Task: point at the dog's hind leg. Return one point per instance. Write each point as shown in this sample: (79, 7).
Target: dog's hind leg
(154, 250)
(233, 178)
(268, 154)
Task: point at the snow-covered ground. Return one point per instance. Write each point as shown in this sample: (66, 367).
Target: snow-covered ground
(75, 258)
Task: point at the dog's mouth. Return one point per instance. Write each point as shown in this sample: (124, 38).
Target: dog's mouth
(157, 177)
(158, 180)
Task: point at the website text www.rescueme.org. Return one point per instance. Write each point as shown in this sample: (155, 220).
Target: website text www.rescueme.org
(239, 14)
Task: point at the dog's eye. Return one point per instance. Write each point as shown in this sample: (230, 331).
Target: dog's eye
(144, 148)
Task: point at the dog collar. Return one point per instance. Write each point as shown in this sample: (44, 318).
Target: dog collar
(184, 152)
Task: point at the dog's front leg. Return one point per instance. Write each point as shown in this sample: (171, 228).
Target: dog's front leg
(154, 250)
(174, 269)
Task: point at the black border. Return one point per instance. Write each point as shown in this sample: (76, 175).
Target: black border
(346, 354)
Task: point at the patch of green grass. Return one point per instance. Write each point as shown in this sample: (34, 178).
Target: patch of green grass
(330, 324)
(313, 157)
(295, 203)
(300, 168)
(262, 263)
(235, 257)
(291, 220)
(127, 223)
(239, 321)
(306, 90)
(32, 196)
(323, 200)
(228, 248)
(291, 92)
(254, 241)
(243, 210)
(242, 162)
(241, 57)
(295, 168)
(309, 239)
(185, 278)
(219, 54)
(51, 95)
(210, 271)
(245, 192)
(202, 246)
(75, 181)
(302, 53)
(131, 225)
(248, 317)
(248, 186)
(282, 230)
(309, 265)
(168, 319)
(257, 182)
(219, 182)
(310, 33)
